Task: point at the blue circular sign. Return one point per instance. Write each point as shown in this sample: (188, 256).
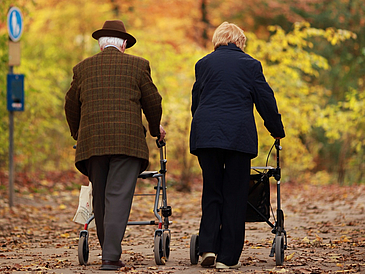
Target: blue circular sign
(15, 24)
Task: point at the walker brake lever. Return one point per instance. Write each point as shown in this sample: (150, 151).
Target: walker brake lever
(277, 144)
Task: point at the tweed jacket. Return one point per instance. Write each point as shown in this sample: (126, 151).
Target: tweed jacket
(228, 84)
(104, 106)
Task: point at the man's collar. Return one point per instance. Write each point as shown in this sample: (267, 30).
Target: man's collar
(107, 46)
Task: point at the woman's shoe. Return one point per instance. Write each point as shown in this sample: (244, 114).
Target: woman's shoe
(223, 266)
(208, 259)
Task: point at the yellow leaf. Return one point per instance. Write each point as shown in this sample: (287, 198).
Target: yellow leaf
(306, 240)
(44, 183)
(289, 257)
(345, 239)
(62, 207)
(75, 192)
(318, 239)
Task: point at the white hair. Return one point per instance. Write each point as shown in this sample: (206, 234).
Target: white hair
(104, 41)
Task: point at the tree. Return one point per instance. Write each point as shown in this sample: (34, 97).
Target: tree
(285, 60)
(4, 128)
(49, 49)
(344, 125)
(346, 71)
(58, 35)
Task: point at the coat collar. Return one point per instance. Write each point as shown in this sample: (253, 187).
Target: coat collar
(108, 46)
(230, 46)
(111, 48)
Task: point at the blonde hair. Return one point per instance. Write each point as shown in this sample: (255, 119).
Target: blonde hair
(229, 33)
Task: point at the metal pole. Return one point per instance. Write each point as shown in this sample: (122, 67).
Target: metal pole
(11, 162)
(279, 171)
(11, 153)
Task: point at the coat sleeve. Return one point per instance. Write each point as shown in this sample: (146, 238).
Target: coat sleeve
(151, 101)
(73, 107)
(195, 92)
(265, 103)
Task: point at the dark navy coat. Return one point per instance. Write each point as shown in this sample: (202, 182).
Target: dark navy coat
(228, 83)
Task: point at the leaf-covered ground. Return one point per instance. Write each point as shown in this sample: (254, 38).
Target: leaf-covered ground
(325, 227)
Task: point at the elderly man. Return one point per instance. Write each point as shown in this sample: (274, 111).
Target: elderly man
(104, 112)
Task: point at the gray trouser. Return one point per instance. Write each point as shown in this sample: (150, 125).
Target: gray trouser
(114, 179)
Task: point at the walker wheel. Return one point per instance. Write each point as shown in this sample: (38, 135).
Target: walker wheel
(83, 250)
(194, 249)
(166, 238)
(158, 250)
(279, 250)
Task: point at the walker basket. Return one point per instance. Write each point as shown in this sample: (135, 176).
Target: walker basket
(258, 206)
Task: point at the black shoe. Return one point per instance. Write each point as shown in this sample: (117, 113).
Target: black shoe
(111, 265)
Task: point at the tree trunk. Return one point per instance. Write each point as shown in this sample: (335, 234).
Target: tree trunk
(205, 21)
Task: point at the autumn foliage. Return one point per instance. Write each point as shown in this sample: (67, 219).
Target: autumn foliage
(311, 52)
(313, 55)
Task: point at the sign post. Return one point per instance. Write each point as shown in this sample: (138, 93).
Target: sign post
(15, 86)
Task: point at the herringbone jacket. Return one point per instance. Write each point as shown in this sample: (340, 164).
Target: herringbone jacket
(104, 106)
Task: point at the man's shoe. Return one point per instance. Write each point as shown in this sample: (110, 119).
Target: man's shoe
(223, 266)
(208, 259)
(111, 265)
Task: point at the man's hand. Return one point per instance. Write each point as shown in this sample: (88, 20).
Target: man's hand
(162, 134)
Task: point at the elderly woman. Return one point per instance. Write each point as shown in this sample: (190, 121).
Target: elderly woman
(224, 137)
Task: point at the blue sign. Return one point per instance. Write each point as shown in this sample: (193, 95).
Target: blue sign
(15, 92)
(15, 24)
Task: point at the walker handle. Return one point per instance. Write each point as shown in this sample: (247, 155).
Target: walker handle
(278, 147)
(277, 144)
(160, 144)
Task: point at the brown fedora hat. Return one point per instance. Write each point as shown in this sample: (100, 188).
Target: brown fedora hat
(114, 28)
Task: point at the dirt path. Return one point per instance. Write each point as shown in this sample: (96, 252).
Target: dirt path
(325, 227)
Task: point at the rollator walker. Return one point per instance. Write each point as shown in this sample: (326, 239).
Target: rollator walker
(259, 207)
(162, 235)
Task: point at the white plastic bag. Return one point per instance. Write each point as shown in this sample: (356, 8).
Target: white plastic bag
(85, 209)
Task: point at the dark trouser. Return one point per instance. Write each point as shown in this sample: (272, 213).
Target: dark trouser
(114, 179)
(226, 176)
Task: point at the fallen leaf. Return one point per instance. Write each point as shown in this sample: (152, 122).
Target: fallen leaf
(289, 257)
